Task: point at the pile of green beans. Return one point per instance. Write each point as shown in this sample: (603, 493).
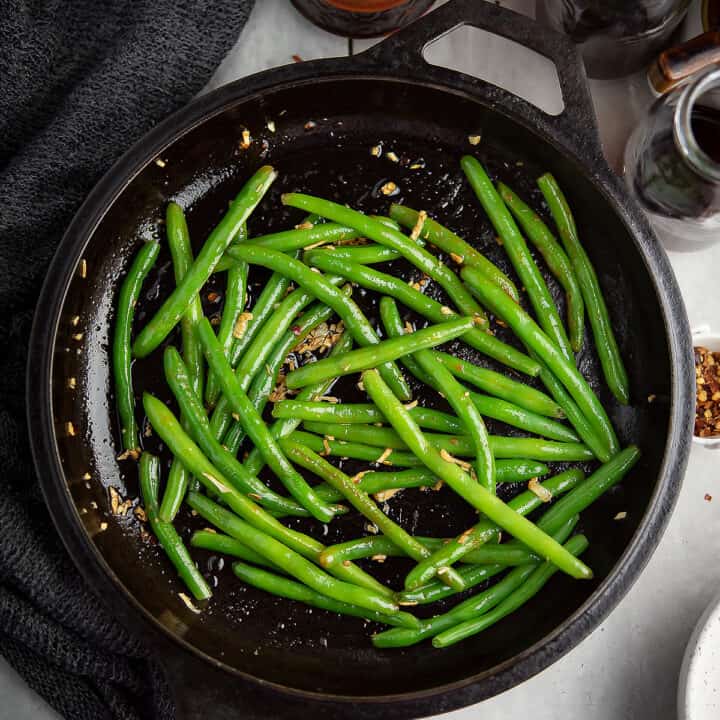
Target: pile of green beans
(254, 436)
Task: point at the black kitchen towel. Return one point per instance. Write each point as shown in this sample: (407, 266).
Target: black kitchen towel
(80, 80)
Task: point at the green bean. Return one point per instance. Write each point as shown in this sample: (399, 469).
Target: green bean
(586, 431)
(493, 383)
(264, 382)
(356, 323)
(173, 308)
(369, 254)
(532, 585)
(431, 309)
(255, 462)
(122, 360)
(460, 445)
(219, 543)
(457, 397)
(605, 477)
(468, 609)
(350, 413)
(380, 233)
(379, 547)
(255, 357)
(523, 504)
(471, 491)
(181, 252)
(283, 587)
(178, 238)
(235, 298)
(286, 559)
(374, 355)
(272, 293)
(455, 246)
(169, 540)
(180, 444)
(566, 372)
(472, 575)
(516, 248)
(381, 484)
(356, 451)
(523, 419)
(256, 429)
(555, 258)
(361, 501)
(198, 428)
(605, 342)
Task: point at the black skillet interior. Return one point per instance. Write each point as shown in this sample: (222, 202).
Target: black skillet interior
(324, 132)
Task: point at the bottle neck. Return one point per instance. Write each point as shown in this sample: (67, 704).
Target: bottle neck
(695, 99)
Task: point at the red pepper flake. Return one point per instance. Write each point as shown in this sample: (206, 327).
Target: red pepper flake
(296, 330)
(297, 58)
(708, 497)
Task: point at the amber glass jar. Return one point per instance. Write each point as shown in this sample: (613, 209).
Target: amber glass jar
(361, 18)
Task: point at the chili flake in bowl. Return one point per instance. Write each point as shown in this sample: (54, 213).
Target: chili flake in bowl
(707, 383)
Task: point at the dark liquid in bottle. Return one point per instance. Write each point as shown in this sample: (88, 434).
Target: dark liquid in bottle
(706, 129)
(667, 183)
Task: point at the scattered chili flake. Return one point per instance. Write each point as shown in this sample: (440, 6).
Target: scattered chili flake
(707, 381)
(213, 297)
(708, 497)
(310, 124)
(651, 398)
(474, 139)
(297, 58)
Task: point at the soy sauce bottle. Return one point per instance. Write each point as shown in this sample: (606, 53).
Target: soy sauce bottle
(361, 18)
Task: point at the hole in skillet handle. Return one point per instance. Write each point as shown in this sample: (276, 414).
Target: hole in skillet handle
(568, 116)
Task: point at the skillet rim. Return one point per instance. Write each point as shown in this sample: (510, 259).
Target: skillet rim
(549, 129)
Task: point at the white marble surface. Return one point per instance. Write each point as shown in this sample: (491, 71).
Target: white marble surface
(628, 668)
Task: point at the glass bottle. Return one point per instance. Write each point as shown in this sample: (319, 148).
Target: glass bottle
(361, 18)
(672, 163)
(616, 37)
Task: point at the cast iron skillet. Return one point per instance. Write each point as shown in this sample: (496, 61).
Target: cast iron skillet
(281, 658)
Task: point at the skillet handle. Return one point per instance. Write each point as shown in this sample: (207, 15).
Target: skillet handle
(576, 124)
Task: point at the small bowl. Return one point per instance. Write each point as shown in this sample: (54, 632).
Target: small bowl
(702, 336)
(699, 683)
